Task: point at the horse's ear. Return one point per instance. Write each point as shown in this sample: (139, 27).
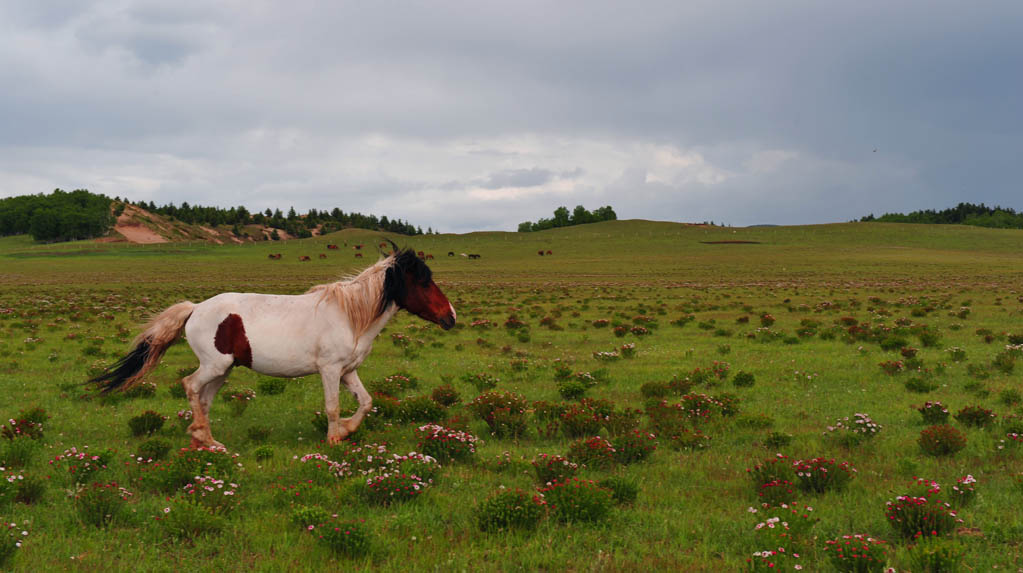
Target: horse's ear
(394, 248)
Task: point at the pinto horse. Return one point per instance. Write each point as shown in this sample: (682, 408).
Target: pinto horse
(329, 330)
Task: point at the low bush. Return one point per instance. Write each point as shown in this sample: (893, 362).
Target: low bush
(551, 468)
(509, 509)
(975, 417)
(819, 475)
(594, 452)
(445, 444)
(99, 504)
(941, 440)
(146, 423)
(577, 500)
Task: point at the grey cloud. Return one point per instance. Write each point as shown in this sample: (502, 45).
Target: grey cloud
(934, 86)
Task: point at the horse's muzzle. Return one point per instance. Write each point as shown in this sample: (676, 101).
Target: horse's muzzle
(447, 322)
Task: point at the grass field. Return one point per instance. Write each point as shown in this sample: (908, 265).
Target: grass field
(941, 307)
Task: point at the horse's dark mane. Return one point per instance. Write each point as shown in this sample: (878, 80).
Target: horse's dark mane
(405, 262)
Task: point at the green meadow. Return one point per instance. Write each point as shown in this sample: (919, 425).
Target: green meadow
(700, 352)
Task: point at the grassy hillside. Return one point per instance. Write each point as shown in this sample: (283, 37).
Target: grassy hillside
(862, 318)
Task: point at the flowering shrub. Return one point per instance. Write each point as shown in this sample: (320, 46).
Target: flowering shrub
(394, 486)
(857, 553)
(785, 519)
(621, 421)
(146, 423)
(550, 468)
(776, 492)
(766, 320)
(853, 431)
(504, 413)
(9, 485)
(21, 428)
(185, 419)
(822, 474)
(595, 452)
(445, 444)
(577, 500)
(607, 356)
(578, 421)
(892, 367)
(98, 504)
(634, 446)
(239, 400)
(445, 395)
(963, 492)
(913, 517)
(600, 323)
(775, 469)
(975, 417)
(481, 381)
(629, 350)
(216, 495)
(11, 536)
(80, 466)
(941, 440)
(351, 539)
(509, 509)
(933, 413)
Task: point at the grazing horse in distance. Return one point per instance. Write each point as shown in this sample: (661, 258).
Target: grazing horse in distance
(332, 247)
(549, 252)
(329, 330)
(323, 256)
(540, 253)
(274, 256)
(358, 255)
(357, 247)
(304, 258)
(429, 257)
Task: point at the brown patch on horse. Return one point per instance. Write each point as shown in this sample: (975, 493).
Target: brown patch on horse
(231, 339)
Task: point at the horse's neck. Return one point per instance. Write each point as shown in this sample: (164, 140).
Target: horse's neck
(377, 325)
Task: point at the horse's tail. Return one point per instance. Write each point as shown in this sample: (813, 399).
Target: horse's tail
(161, 331)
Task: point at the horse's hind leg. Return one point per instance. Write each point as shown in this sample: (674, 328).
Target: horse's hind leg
(200, 387)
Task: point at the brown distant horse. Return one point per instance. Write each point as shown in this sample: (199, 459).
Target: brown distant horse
(323, 256)
(304, 258)
(274, 256)
(332, 247)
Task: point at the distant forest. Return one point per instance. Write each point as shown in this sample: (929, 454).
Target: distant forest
(79, 214)
(962, 214)
(562, 218)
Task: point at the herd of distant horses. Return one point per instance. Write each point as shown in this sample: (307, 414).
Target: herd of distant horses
(420, 254)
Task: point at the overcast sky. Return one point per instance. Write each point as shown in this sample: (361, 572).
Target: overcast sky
(466, 116)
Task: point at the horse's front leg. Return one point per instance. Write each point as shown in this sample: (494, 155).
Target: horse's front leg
(355, 386)
(331, 376)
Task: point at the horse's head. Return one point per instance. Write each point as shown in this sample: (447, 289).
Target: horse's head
(408, 282)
